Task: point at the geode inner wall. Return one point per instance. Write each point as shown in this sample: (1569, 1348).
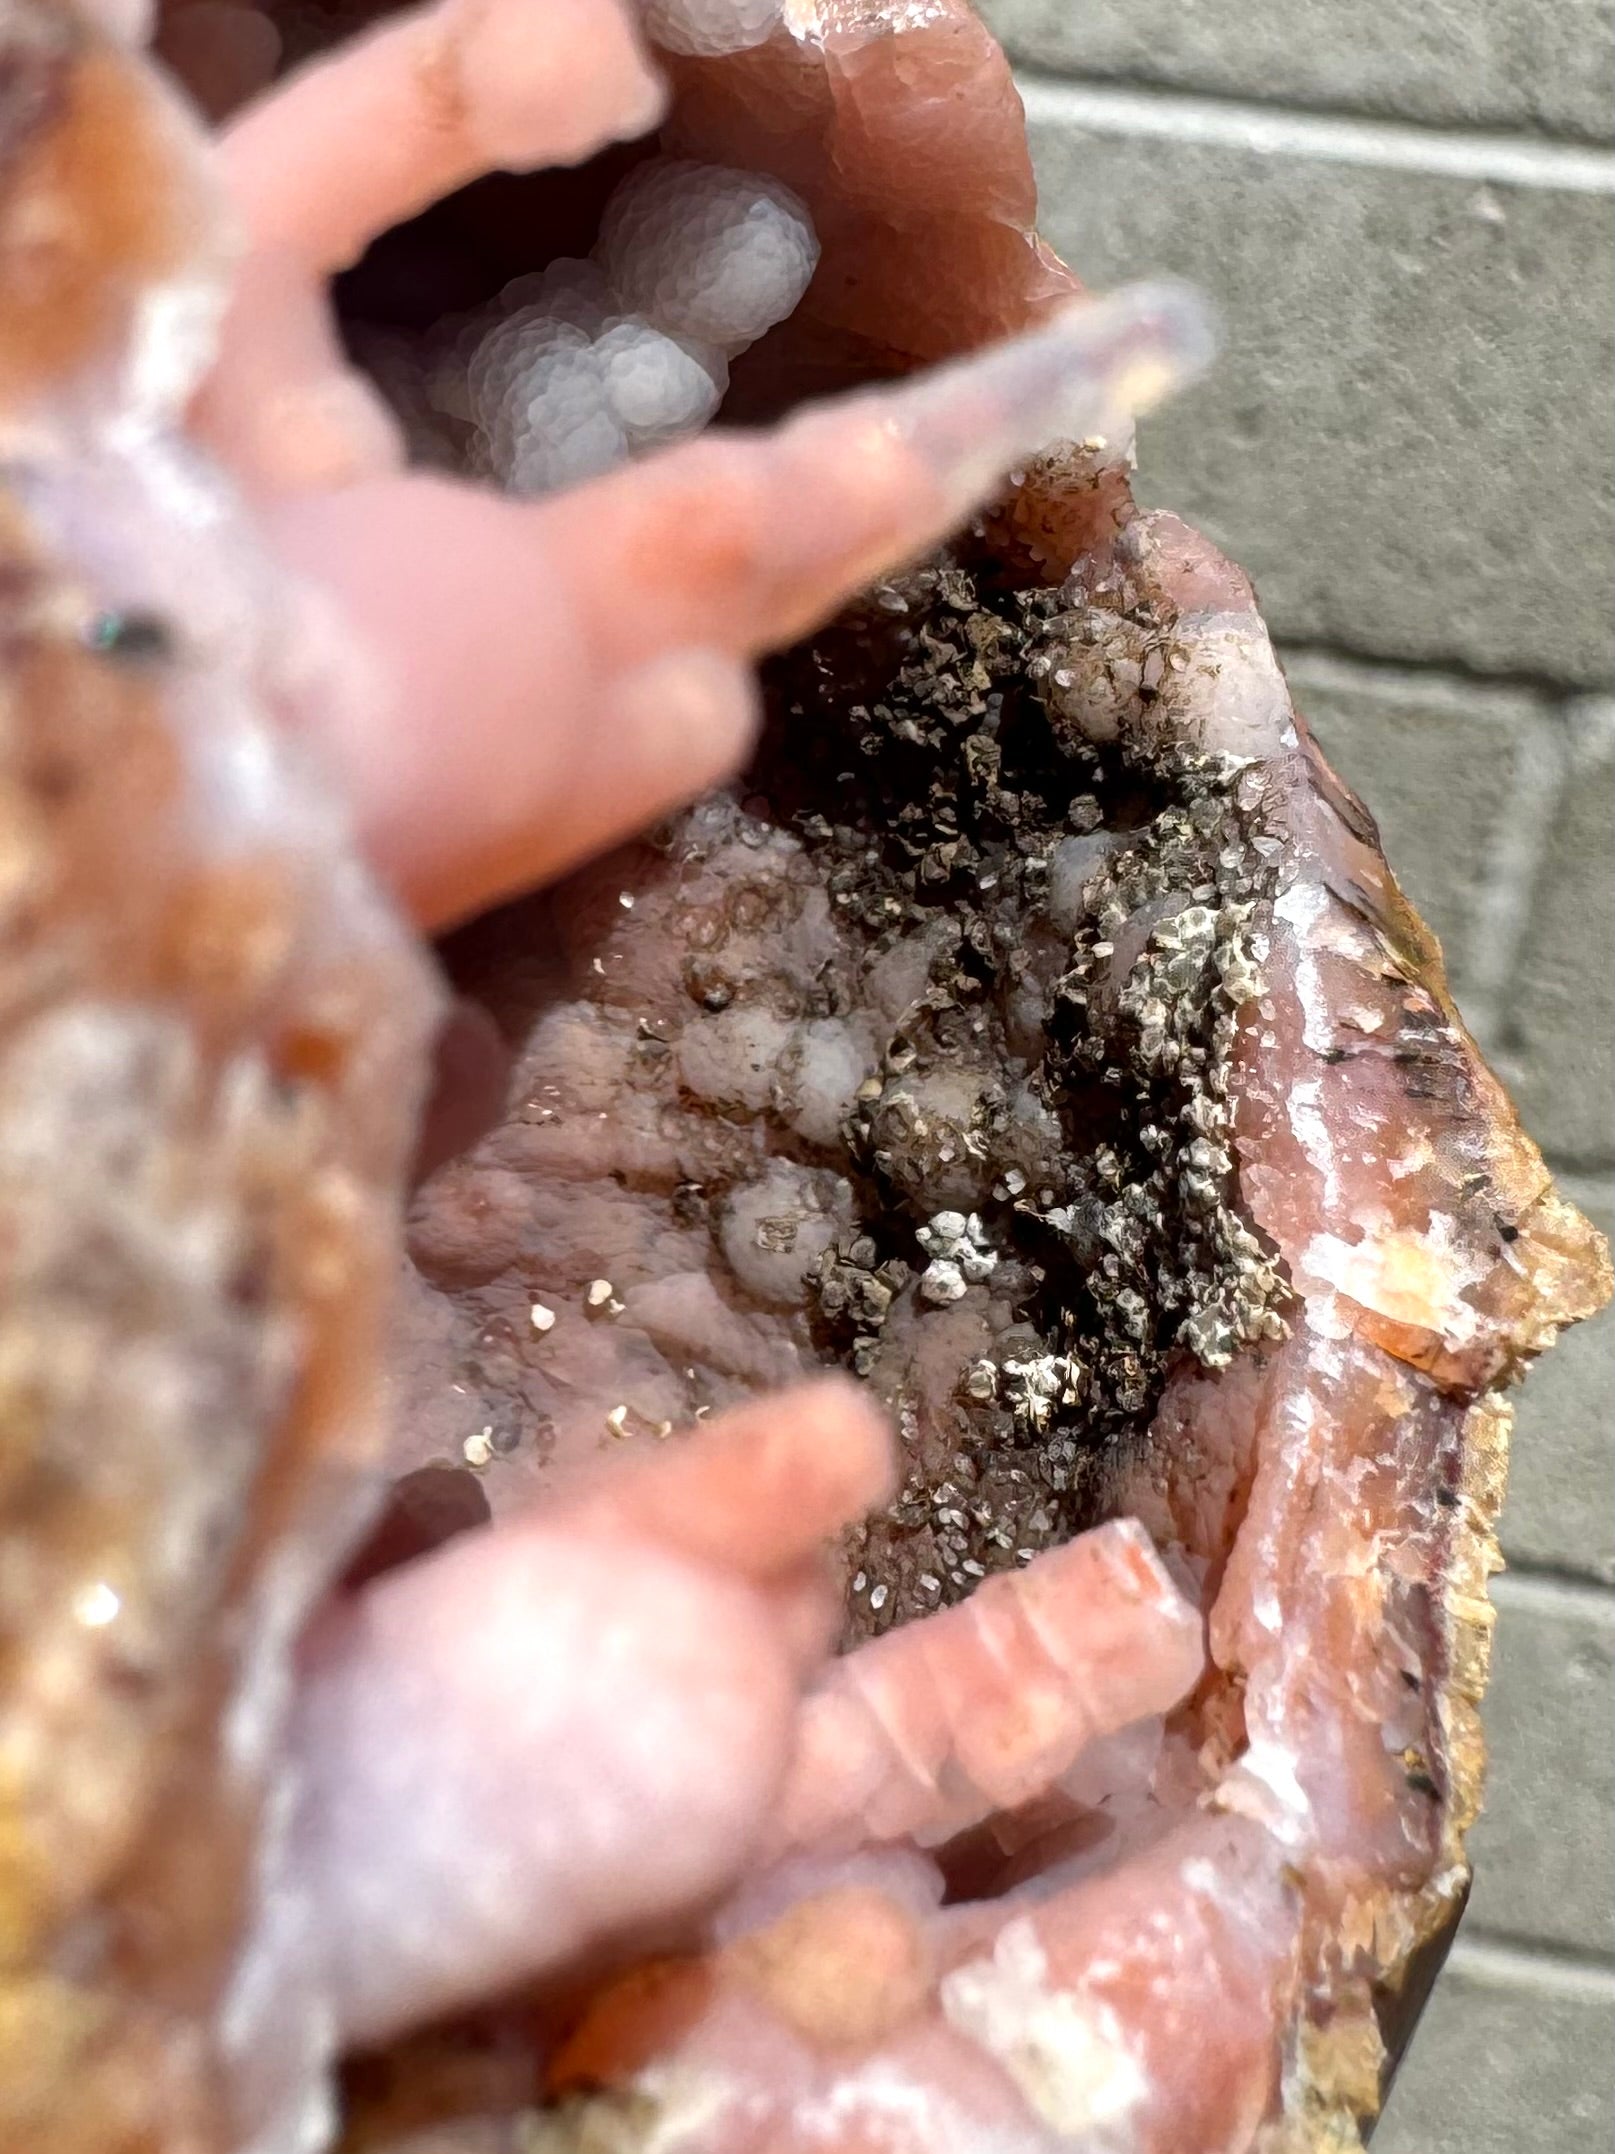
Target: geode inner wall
(916, 1053)
(1036, 1031)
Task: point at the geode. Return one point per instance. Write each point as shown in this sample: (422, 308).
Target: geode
(1035, 1031)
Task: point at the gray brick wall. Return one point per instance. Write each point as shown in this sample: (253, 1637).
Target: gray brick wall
(1409, 441)
(1512, 2057)
(1560, 1512)
(1404, 210)
(1536, 66)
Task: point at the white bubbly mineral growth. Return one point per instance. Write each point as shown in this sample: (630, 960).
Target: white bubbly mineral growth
(592, 361)
(709, 27)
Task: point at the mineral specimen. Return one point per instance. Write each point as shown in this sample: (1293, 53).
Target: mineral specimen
(1035, 1032)
(628, 350)
(209, 1073)
(208, 1088)
(1097, 1099)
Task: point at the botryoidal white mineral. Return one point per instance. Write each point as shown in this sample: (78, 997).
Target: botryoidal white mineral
(595, 360)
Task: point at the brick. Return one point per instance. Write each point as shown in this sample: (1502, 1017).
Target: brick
(1487, 63)
(1408, 438)
(1439, 763)
(1559, 1026)
(1544, 1849)
(1560, 1511)
(1505, 2061)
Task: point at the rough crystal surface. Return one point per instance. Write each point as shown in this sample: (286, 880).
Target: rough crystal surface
(208, 1073)
(710, 26)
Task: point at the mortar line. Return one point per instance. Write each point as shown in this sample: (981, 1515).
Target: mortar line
(1550, 763)
(1553, 1593)
(1296, 102)
(1270, 130)
(1502, 914)
(1581, 1167)
(1530, 1963)
(1408, 672)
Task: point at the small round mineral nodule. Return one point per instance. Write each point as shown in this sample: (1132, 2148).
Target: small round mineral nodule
(660, 389)
(708, 28)
(707, 252)
(559, 423)
(570, 289)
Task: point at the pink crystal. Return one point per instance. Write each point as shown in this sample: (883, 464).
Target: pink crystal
(209, 1073)
(741, 1091)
